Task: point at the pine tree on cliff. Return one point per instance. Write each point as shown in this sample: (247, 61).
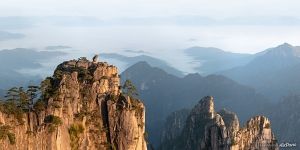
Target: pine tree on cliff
(129, 89)
(32, 93)
(21, 98)
(12, 94)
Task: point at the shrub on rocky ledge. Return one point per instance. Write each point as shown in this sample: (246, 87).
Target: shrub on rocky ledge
(10, 108)
(53, 121)
(5, 132)
(74, 131)
(39, 105)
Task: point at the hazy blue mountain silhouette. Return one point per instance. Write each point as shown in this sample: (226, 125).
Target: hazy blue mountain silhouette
(58, 47)
(155, 62)
(213, 60)
(274, 72)
(15, 59)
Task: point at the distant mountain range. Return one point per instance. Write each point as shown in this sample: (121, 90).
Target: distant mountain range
(155, 62)
(58, 47)
(13, 60)
(212, 60)
(164, 93)
(274, 72)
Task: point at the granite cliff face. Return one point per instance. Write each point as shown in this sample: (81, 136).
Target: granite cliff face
(82, 107)
(205, 129)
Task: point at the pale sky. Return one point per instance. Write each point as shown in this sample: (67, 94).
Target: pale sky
(144, 8)
(156, 26)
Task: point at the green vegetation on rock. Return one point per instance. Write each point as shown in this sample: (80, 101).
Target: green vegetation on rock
(233, 142)
(11, 138)
(53, 122)
(39, 105)
(129, 89)
(17, 101)
(11, 108)
(5, 132)
(74, 131)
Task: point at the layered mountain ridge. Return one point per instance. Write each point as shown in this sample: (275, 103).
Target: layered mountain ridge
(273, 72)
(81, 107)
(212, 60)
(153, 61)
(204, 128)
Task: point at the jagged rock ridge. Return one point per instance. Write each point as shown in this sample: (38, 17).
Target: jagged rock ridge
(82, 107)
(206, 129)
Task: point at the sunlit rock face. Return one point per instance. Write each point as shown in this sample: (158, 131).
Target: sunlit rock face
(205, 129)
(90, 112)
(257, 134)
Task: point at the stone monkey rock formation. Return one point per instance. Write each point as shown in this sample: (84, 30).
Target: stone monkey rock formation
(95, 58)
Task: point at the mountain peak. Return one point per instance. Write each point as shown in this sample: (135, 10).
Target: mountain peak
(284, 50)
(285, 46)
(206, 106)
(207, 101)
(142, 67)
(151, 61)
(141, 64)
(193, 76)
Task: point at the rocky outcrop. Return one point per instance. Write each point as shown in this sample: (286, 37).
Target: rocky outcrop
(206, 129)
(231, 122)
(256, 135)
(81, 107)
